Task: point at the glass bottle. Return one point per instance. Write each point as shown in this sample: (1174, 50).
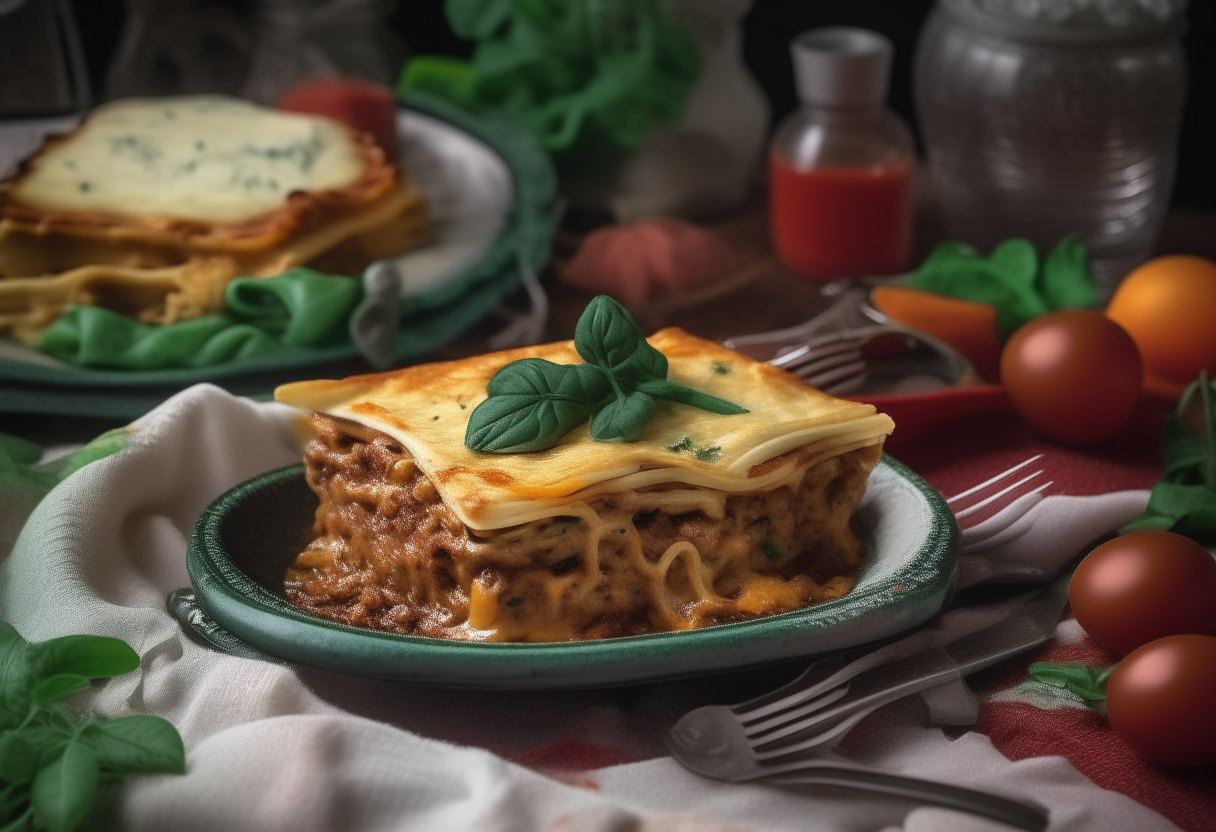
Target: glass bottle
(840, 167)
(1046, 119)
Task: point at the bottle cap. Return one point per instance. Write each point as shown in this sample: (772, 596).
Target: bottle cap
(842, 66)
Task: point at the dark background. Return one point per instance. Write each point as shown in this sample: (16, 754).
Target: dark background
(768, 29)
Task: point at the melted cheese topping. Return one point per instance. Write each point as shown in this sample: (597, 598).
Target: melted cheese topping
(204, 158)
(426, 408)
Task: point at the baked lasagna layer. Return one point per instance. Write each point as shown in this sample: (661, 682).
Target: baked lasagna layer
(426, 408)
(389, 554)
(151, 206)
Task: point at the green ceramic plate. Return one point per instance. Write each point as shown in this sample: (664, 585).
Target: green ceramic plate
(490, 189)
(244, 541)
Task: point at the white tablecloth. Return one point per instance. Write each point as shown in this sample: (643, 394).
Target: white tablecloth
(270, 746)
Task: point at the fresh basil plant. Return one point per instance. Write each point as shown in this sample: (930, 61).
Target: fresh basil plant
(533, 403)
(51, 762)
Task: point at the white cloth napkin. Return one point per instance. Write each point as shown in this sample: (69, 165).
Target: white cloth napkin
(271, 746)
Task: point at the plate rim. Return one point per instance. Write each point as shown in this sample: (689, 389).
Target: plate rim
(241, 605)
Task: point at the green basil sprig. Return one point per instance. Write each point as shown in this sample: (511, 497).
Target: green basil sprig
(1184, 500)
(1086, 681)
(533, 403)
(1011, 278)
(50, 762)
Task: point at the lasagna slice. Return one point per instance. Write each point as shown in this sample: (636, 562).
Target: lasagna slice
(703, 520)
(151, 206)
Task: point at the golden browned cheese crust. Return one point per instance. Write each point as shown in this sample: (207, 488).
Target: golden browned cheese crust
(388, 554)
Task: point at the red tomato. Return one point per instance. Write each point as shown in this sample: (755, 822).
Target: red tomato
(1159, 700)
(362, 105)
(1074, 375)
(1142, 586)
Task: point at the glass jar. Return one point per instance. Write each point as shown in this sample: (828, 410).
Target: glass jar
(840, 167)
(1041, 120)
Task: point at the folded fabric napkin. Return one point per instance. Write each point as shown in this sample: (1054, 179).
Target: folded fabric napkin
(273, 746)
(300, 307)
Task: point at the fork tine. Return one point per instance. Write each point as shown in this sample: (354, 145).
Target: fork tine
(831, 370)
(755, 728)
(971, 538)
(845, 387)
(819, 739)
(994, 480)
(816, 349)
(959, 515)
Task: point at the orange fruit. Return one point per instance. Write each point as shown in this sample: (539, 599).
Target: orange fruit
(1168, 306)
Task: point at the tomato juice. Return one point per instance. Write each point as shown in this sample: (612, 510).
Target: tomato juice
(830, 222)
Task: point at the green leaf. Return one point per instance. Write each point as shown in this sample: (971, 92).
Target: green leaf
(1087, 682)
(139, 743)
(531, 404)
(1184, 500)
(440, 75)
(19, 450)
(1067, 281)
(478, 19)
(1006, 280)
(623, 419)
(110, 442)
(608, 336)
(673, 392)
(94, 657)
(1015, 260)
(57, 687)
(63, 790)
(17, 676)
(21, 751)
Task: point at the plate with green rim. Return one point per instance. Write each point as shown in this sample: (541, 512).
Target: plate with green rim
(243, 543)
(486, 236)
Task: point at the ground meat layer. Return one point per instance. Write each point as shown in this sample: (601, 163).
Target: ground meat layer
(389, 555)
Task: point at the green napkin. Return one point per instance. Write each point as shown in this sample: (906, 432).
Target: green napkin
(300, 307)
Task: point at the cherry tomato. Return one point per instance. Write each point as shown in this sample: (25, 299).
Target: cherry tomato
(1142, 586)
(1074, 375)
(1159, 700)
(362, 105)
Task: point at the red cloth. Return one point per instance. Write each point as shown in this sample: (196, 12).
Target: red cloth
(958, 454)
(953, 456)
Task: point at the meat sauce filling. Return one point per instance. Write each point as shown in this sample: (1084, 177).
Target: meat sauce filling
(388, 554)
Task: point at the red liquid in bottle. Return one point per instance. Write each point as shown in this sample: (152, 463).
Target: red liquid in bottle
(831, 222)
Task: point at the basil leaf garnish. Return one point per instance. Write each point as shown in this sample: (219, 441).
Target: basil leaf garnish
(686, 395)
(609, 337)
(623, 419)
(531, 404)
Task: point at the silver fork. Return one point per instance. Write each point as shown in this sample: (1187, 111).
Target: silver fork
(1009, 496)
(829, 351)
(774, 737)
(780, 737)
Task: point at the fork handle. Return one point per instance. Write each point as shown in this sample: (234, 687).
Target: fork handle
(1022, 814)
